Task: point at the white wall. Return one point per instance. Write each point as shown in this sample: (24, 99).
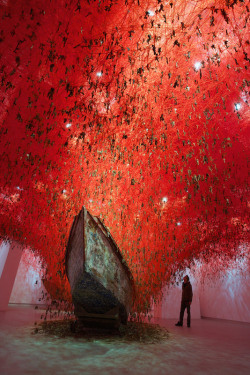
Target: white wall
(221, 290)
(10, 255)
(28, 287)
(172, 301)
(4, 250)
(169, 307)
(226, 295)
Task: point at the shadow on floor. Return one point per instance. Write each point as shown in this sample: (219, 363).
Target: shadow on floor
(132, 332)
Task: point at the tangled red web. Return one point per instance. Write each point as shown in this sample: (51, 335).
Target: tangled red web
(138, 110)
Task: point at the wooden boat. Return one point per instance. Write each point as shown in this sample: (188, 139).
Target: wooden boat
(101, 283)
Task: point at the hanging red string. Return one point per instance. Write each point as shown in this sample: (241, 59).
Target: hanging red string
(137, 110)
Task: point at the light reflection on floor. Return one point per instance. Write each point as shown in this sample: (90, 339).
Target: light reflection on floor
(208, 347)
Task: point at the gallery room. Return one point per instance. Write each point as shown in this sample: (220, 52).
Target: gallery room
(124, 187)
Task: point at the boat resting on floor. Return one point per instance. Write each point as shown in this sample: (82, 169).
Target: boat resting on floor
(101, 283)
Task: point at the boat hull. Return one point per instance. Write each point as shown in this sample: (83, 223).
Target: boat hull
(101, 284)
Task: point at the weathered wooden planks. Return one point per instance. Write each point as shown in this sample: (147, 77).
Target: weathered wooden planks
(101, 283)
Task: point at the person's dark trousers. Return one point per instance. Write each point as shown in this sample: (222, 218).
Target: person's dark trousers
(184, 305)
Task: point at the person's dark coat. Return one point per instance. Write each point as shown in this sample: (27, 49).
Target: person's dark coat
(187, 293)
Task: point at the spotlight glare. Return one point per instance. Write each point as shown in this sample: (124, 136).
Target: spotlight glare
(237, 106)
(151, 13)
(197, 65)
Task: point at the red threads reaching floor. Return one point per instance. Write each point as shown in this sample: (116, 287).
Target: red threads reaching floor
(140, 112)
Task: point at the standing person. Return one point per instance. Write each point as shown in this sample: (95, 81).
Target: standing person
(186, 300)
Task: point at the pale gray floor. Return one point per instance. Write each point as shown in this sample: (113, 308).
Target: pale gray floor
(208, 347)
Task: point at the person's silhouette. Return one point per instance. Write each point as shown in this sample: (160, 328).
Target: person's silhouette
(186, 300)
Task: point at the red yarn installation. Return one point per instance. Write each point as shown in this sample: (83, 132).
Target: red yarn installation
(138, 110)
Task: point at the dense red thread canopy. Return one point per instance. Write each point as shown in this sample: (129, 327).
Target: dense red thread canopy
(138, 110)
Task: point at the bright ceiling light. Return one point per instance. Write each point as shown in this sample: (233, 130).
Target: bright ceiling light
(151, 13)
(197, 65)
(237, 106)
